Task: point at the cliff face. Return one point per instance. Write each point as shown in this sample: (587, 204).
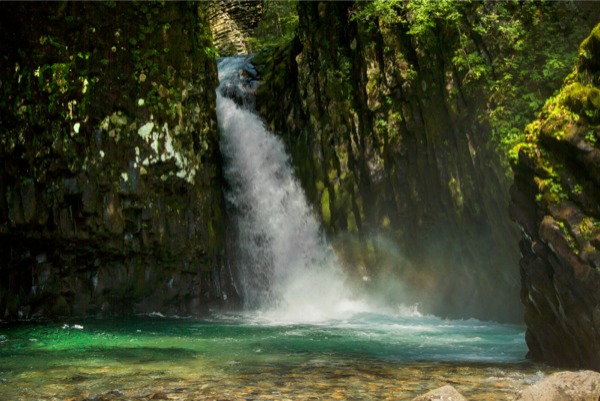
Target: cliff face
(555, 199)
(392, 160)
(384, 130)
(110, 198)
(232, 23)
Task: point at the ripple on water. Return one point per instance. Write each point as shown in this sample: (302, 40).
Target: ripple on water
(187, 359)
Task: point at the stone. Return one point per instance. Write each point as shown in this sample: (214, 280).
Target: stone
(371, 161)
(446, 393)
(564, 386)
(161, 395)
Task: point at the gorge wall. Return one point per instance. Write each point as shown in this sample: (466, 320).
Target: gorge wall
(110, 192)
(555, 200)
(232, 23)
(382, 113)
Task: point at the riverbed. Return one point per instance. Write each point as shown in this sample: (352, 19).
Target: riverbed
(250, 357)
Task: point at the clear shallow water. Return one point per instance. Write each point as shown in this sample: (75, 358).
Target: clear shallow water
(247, 357)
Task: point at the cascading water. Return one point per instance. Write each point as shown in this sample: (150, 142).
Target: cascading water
(287, 275)
(285, 266)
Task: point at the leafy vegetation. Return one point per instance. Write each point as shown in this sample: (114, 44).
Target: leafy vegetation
(556, 148)
(277, 26)
(513, 53)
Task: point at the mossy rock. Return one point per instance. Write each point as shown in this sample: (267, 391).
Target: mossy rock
(580, 98)
(589, 53)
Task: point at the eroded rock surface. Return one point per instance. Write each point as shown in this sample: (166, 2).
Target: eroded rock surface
(446, 393)
(556, 201)
(232, 22)
(564, 386)
(385, 133)
(110, 192)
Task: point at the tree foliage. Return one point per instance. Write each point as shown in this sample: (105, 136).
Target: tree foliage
(277, 26)
(514, 53)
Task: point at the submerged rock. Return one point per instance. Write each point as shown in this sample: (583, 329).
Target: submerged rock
(446, 393)
(564, 386)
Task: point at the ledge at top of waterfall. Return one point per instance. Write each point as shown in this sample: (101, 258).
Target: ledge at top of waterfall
(238, 79)
(284, 267)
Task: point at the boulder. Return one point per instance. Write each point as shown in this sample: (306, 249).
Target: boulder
(564, 386)
(446, 393)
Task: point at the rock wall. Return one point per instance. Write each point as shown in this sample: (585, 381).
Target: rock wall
(555, 199)
(110, 199)
(232, 22)
(399, 174)
(384, 130)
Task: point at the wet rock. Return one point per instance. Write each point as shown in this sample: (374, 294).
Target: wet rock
(554, 200)
(446, 393)
(397, 183)
(117, 193)
(564, 386)
(161, 395)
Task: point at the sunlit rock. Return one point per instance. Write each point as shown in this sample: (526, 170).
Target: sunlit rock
(564, 386)
(555, 201)
(446, 393)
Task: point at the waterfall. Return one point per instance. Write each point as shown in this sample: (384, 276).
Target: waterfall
(285, 267)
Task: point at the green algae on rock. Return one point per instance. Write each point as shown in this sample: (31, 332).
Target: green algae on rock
(386, 110)
(110, 197)
(554, 199)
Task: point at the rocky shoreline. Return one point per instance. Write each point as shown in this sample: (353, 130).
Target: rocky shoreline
(562, 386)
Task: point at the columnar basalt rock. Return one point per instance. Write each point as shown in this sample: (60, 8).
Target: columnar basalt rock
(446, 393)
(403, 179)
(232, 22)
(110, 192)
(555, 200)
(386, 133)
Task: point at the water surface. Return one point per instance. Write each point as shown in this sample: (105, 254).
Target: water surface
(365, 356)
(315, 339)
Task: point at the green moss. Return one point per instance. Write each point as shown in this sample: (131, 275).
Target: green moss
(589, 52)
(588, 228)
(325, 211)
(527, 148)
(568, 236)
(582, 99)
(351, 222)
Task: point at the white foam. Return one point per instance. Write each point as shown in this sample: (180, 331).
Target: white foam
(285, 265)
(285, 268)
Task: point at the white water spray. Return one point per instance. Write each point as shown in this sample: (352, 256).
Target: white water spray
(286, 269)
